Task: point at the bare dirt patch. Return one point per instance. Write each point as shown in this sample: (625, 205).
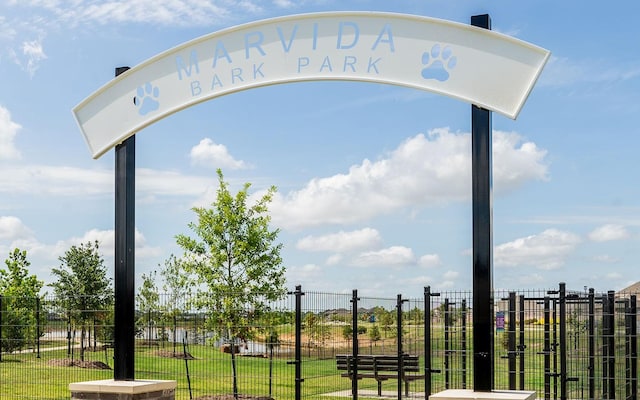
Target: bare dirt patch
(67, 362)
(177, 354)
(230, 397)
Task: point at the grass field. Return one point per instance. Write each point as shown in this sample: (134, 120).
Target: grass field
(24, 376)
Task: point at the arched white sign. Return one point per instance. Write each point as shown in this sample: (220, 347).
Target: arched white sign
(479, 66)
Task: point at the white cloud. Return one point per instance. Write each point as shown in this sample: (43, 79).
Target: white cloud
(33, 54)
(210, 154)
(342, 242)
(8, 131)
(613, 275)
(334, 259)
(529, 280)
(430, 260)
(12, 228)
(28, 55)
(15, 234)
(421, 280)
(71, 181)
(164, 12)
(516, 162)
(608, 233)
(422, 171)
(307, 275)
(451, 275)
(106, 240)
(284, 3)
(606, 259)
(172, 183)
(547, 250)
(43, 256)
(562, 71)
(446, 284)
(7, 32)
(389, 257)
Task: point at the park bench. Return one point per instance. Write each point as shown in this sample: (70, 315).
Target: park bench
(380, 368)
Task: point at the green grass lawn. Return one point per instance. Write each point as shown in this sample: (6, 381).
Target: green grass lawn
(26, 376)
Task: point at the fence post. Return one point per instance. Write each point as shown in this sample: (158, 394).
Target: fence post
(554, 345)
(447, 355)
(633, 342)
(38, 326)
(399, 302)
(627, 348)
(427, 341)
(592, 345)
(354, 345)
(298, 345)
(521, 345)
(464, 343)
(547, 349)
(563, 341)
(611, 352)
(608, 351)
(511, 344)
(428, 370)
(1, 312)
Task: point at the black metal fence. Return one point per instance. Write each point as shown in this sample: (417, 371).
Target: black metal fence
(562, 344)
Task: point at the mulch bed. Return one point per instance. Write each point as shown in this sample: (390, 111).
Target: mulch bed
(230, 397)
(67, 362)
(177, 354)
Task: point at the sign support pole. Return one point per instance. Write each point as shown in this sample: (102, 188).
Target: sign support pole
(481, 167)
(124, 282)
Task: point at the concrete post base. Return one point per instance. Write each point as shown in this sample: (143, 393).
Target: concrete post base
(463, 394)
(110, 389)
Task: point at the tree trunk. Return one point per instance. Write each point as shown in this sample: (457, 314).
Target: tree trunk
(233, 366)
(175, 326)
(82, 336)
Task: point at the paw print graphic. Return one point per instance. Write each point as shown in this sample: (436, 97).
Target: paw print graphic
(438, 63)
(146, 98)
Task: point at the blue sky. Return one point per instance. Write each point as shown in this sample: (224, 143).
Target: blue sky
(373, 180)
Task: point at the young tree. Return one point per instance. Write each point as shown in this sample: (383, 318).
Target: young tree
(176, 288)
(20, 291)
(374, 334)
(148, 300)
(82, 287)
(236, 260)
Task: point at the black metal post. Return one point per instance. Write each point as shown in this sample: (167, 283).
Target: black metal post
(627, 348)
(298, 346)
(464, 343)
(521, 345)
(511, 346)
(611, 348)
(633, 323)
(124, 282)
(38, 326)
(563, 341)
(68, 333)
(483, 340)
(554, 345)
(547, 348)
(1, 326)
(592, 345)
(605, 347)
(447, 352)
(354, 344)
(400, 353)
(428, 368)
(427, 341)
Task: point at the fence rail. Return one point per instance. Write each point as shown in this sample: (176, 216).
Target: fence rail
(562, 344)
